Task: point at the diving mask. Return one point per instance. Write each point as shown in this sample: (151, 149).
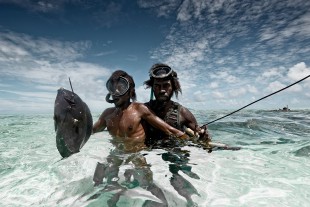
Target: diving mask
(161, 72)
(118, 87)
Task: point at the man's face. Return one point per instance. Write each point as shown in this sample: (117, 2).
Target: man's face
(162, 89)
(121, 100)
(119, 90)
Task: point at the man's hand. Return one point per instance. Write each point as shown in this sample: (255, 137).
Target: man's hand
(184, 136)
(204, 136)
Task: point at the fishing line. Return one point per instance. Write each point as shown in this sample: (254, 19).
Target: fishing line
(256, 101)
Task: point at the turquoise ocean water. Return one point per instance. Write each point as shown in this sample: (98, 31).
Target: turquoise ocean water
(271, 169)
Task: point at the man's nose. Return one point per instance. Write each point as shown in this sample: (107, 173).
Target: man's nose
(162, 90)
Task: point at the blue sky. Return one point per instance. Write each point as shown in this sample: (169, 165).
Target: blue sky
(227, 53)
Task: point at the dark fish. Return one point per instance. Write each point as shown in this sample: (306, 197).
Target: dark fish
(73, 122)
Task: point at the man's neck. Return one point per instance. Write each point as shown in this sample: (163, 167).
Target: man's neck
(123, 106)
(163, 104)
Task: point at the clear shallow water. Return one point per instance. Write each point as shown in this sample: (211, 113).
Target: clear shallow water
(271, 169)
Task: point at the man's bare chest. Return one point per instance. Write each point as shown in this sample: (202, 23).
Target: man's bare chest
(123, 122)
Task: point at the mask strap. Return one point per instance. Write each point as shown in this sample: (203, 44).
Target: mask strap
(152, 94)
(107, 98)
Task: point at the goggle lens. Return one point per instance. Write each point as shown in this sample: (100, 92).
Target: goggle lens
(161, 72)
(118, 87)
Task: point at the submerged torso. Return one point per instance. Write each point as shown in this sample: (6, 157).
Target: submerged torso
(171, 115)
(126, 128)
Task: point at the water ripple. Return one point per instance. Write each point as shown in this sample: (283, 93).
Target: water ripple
(271, 169)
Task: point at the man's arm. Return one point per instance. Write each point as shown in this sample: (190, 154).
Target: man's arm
(190, 121)
(158, 123)
(101, 124)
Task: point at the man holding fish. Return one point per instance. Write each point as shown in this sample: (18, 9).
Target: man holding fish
(126, 120)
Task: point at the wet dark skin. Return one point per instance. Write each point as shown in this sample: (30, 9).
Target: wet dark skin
(124, 123)
(163, 92)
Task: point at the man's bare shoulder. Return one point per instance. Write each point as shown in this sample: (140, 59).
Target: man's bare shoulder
(187, 115)
(107, 111)
(141, 107)
(138, 104)
(185, 110)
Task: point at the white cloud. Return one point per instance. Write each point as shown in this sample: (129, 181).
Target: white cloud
(143, 95)
(295, 88)
(274, 86)
(105, 53)
(39, 6)
(199, 96)
(27, 101)
(252, 89)
(217, 94)
(132, 58)
(237, 44)
(298, 27)
(271, 73)
(225, 76)
(210, 43)
(42, 95)
(45, 65)
(10, 51)
(185, 53)
(214, 85)
(237, 92)
(22, 47)
(295, 101)
(298, 71)
(164, 8)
